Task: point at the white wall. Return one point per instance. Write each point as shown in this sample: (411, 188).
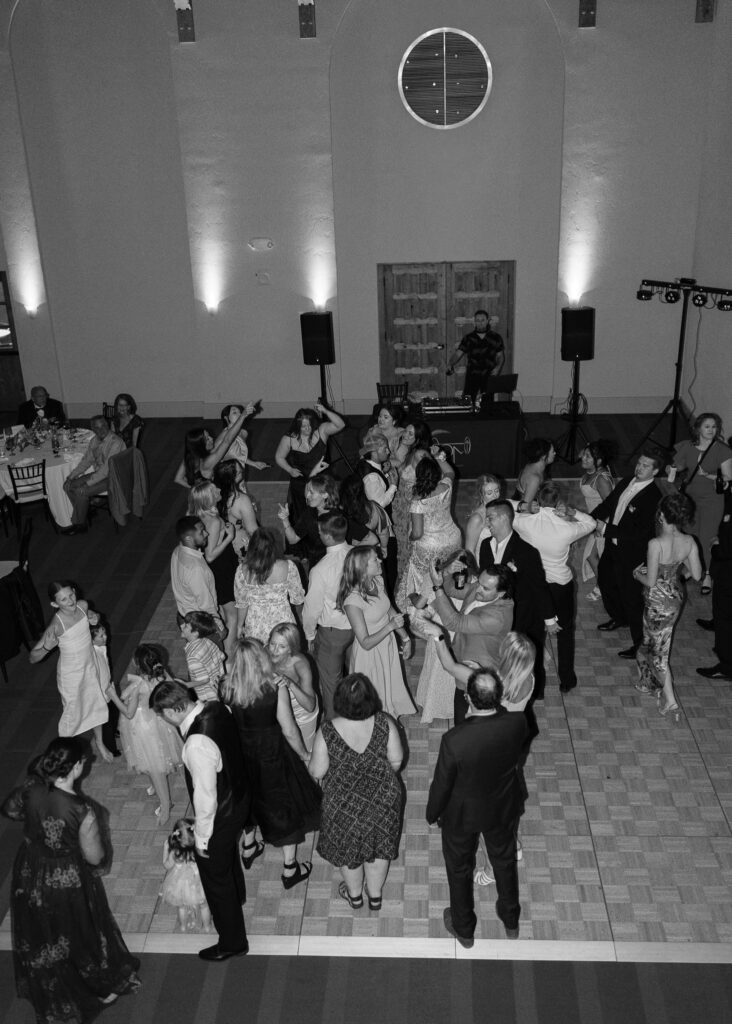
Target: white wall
(146, 166)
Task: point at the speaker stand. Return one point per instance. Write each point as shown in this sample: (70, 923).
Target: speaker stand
(333, 438)
(566, 445)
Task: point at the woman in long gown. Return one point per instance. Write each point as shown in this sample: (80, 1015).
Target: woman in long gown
(356, 757)
(669, 550)
(219, 551)
(596, 483)
(699, 460)
(373, 619)
(301, 452)
(265, 587)
(434, 533)
(77, 675)
(69, 955)
(415, 443)
(285, 800)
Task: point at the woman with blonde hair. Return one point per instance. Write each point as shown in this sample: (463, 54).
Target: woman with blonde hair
(285, 800)
(289, 661)
(487, 488)
(374, 620)
(203, 499)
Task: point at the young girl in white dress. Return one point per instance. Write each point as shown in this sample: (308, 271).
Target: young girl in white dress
(77, 674)
(149, 744)
(182, 886)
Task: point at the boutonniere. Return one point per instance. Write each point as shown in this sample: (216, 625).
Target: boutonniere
(512, 566)
(631, 508)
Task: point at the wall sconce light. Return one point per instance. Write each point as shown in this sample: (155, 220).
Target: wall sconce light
(587, 13)
(260, 244)
(184, 17)
(306, 16)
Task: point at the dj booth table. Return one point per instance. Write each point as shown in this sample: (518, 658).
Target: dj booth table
(480, 443)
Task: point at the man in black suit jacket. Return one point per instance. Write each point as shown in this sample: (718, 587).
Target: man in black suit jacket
(219, 791)
(40, 406)
(533, 608)
(476, 790)
(721, 571)
(627, 521)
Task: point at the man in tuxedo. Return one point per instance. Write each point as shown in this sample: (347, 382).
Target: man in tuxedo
(40, 407)
(627, 521)
(218, 788)
(533, 608)
(476, 790)
(721, 572)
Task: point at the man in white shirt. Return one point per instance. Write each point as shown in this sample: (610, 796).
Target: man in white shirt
(552, 531)
(194, 587)
(91, 475)
(626, 519)
(219, 791)
(327, 630)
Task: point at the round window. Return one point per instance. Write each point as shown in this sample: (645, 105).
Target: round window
(445, 78)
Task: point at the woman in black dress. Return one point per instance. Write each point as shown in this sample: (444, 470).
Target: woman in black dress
(69, 956)
(219, 553)
(356, 757)
(302, 536)
(301, 452)
(125, 421)
(285, 800)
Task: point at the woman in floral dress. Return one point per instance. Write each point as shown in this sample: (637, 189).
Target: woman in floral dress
(265, 588)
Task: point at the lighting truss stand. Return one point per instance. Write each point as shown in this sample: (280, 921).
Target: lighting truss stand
(566, 446)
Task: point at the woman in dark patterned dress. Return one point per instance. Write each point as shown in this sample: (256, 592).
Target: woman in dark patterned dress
(69, 955)
(664, 597)
(357, 756)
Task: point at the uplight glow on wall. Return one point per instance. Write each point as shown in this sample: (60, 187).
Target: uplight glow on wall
(577, 261)
(320, 276)
(211, 275)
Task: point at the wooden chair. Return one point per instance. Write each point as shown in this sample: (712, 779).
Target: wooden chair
(29, 488)
(397, 393)
(107, 410)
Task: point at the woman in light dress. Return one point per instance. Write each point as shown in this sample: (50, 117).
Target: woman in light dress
(294, 668)
(374, 620)
(219, 552)
(239, 449)
(415, 443)
(388, 416)
(265, 588)
(487, 488)
(84, 704)
(596, 483)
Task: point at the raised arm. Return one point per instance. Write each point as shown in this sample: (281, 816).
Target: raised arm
(223, 441)
(334, 424)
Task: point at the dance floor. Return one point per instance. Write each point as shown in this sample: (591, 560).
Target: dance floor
(627, 845)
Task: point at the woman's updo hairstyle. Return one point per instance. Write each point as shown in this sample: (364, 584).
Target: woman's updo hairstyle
(148, 660)
(677, 509)
(59, 758)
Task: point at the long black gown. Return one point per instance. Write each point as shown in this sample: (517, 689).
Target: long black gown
(285, 800)
(68, 950)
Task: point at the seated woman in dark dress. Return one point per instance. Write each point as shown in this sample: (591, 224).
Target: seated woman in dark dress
(125, 421)
(301, 453)
(69, 955)
(285, 800)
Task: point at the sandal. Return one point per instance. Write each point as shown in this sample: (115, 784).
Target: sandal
(355, 902)
(302, 871)
(248, 859)
(374, 901)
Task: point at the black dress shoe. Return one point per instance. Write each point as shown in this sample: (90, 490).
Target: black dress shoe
(447, 919)
(610, 625)
(566, 687)
(715, 672)
(707, 624)
(629, 653)
(511, 933)
(215, 954)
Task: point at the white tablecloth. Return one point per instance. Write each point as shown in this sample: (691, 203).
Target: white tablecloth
(58, 468)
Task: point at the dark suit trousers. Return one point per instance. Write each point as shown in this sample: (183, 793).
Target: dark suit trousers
(460, 706)
(223, 883)
(621, 595)
(564, 609)
(722, 612)
(329, 651)
(458, 849)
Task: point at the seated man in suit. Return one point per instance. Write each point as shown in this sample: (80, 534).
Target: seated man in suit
(481, 624)
(476, 790)
(533, 608)
(90, 476)
(40, 407)
(627, 521)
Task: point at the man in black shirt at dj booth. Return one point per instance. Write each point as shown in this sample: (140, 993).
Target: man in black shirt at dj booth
(485, 354)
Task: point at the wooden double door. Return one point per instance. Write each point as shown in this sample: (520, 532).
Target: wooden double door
(424, 311)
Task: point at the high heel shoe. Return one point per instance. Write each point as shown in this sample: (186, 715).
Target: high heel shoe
(670, 709)
(248, 859)
(301, 872)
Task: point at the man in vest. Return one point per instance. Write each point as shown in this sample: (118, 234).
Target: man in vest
(219, 791)
(372, 468)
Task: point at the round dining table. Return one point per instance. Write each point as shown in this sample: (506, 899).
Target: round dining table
(58, 468)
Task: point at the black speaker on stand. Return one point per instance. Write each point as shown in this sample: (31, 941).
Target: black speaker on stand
(578, 345)
(318, 349)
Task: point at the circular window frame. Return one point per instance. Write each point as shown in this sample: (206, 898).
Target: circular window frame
(489, 68)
